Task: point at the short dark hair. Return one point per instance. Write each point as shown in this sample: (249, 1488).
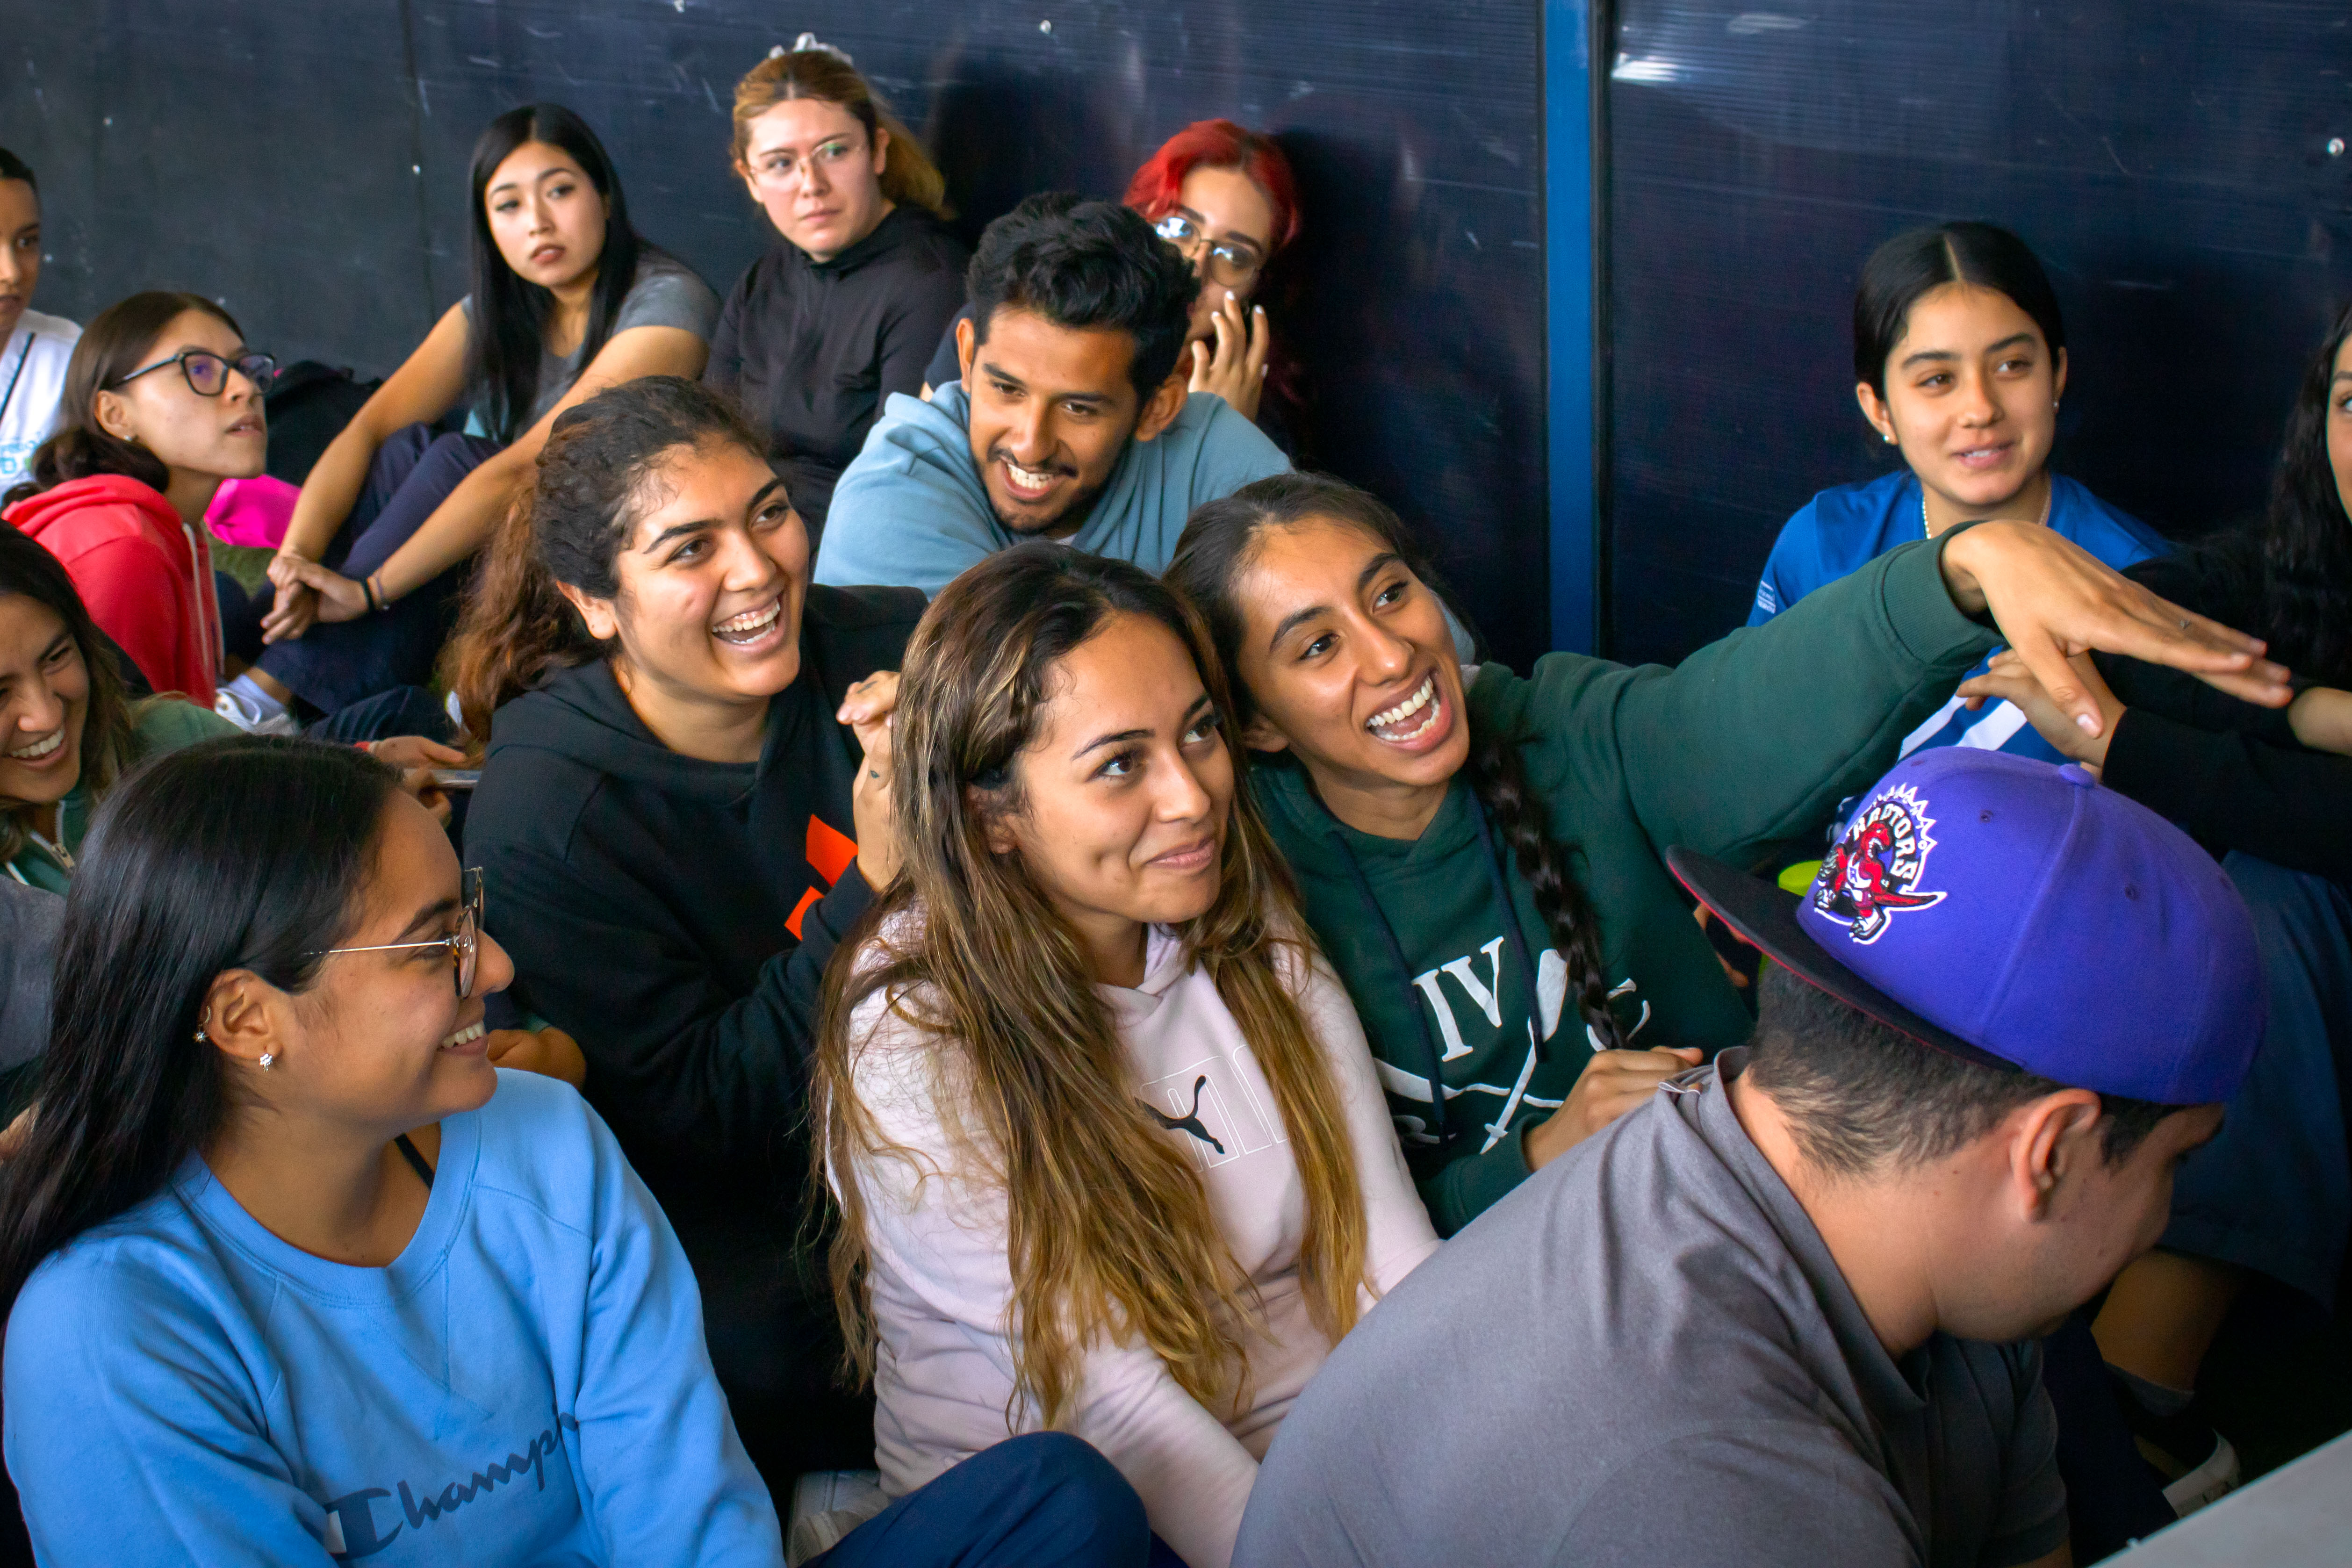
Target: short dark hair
(1921, 261)
(12, 167)
(1081, 264)
(1861, 1096)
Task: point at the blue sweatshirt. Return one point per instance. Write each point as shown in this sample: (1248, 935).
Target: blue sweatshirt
(911, 511)
(525, 1385)
(1840, 528)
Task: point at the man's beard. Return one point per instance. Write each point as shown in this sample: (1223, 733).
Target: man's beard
(1070, 519)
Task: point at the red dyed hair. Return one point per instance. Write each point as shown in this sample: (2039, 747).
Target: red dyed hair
(1220, 144)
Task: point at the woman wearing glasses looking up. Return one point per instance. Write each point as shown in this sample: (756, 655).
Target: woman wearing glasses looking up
(162, 402)
(269, 1132)
(847, 303)
(566, 300)
(1224, 197)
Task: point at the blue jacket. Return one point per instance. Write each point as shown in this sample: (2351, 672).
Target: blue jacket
(911, 511)
(525, 1383)
(1840, 528)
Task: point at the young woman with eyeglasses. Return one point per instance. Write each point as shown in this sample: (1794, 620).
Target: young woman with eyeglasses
(1224, 197)
(843, 309)
(283, 1242)
(566, 300)
(163, 402)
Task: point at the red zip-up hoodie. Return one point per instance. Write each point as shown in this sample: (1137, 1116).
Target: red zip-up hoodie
(146, 576)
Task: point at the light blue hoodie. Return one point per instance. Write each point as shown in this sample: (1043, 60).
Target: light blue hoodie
(911, 511)
(525, 1383)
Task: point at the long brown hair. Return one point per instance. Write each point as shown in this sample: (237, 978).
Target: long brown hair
(1217, 542)
(814, 71)
(517, 627)
(109, 717)
(1110, 1230)
(110, 348)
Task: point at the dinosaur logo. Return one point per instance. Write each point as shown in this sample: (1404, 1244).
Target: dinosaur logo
(1874, 873)
(1191, 1120)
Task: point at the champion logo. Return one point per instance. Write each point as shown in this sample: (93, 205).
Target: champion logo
(1874, 873)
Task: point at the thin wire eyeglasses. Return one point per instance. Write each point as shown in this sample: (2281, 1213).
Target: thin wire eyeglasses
(207, 373)
(1230, 262)
(464, 944)
(783, 172)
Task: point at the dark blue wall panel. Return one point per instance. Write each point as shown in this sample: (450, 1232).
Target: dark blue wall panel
(2169, 162)
(304, 161)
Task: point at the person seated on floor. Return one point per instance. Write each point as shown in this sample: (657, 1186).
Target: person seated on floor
(268, 1126)
(2268, 791)
(1826, 1255)
(861, 278)
(1109, 1148)
(683, 807)
(566, 300)
(1224, 197)
(1068, 423)
(163, 402)
(1478, 852)
(33, 348)
(1959, 363)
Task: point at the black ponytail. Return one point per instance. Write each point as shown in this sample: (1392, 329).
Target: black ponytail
(1216, 545)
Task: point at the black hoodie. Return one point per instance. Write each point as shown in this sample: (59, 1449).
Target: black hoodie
(674, 916)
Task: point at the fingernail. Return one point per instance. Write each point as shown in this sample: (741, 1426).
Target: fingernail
(2090, 725)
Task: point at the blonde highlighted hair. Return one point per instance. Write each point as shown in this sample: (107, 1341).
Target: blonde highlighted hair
(1110, 1231)
(813, 71)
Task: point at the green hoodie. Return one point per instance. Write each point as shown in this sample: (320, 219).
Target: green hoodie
(1749, 742)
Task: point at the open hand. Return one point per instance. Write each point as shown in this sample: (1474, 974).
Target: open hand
(1612, 1083)
(2053, 599)
(1235, 366)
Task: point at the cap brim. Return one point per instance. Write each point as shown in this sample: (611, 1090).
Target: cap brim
(1765, 917)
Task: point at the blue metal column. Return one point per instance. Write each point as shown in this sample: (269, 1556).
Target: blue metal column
(1571, 312)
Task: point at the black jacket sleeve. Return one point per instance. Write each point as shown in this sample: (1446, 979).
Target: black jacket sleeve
(2232, 791)
(674, 1061)
(724, 369)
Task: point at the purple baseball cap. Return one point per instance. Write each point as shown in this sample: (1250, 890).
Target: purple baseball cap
(2020, 916)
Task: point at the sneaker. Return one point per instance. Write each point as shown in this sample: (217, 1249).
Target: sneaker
(826, 1506)
(240, 711)
(2198, 1464)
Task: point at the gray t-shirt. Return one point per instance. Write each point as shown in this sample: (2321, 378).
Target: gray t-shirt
(666, 293)
(29, 941)
(1646, 1355)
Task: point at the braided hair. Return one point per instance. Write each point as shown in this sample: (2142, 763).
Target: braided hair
(1219, 539)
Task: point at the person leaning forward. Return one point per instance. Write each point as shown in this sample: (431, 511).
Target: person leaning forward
(1785, 1312)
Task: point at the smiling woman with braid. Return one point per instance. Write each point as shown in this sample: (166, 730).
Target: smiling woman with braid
(1478, 853)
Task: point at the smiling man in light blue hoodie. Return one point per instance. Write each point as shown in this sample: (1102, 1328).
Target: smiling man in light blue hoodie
(1068, 424)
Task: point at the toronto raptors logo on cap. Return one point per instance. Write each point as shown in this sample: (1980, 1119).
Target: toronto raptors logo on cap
(1874, 873)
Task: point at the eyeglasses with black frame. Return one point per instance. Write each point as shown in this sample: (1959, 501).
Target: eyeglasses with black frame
(464, 944)
(207, 373)
(1231, 262)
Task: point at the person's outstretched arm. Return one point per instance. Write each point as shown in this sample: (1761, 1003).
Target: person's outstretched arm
(459, 525)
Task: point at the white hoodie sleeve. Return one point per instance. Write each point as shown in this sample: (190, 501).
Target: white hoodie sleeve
(943, 1291)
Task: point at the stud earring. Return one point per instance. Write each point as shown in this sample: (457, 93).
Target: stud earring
(267, 1059)
(1888, 439)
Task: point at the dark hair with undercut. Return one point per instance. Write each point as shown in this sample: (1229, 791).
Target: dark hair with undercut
(1921, 261)
(12, 167)
(109, 720)
(509, 313)
(594, 475)
(1082, 264)
(245, 852)
(112, 346)
(1218, 541)
(1862, 1097)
